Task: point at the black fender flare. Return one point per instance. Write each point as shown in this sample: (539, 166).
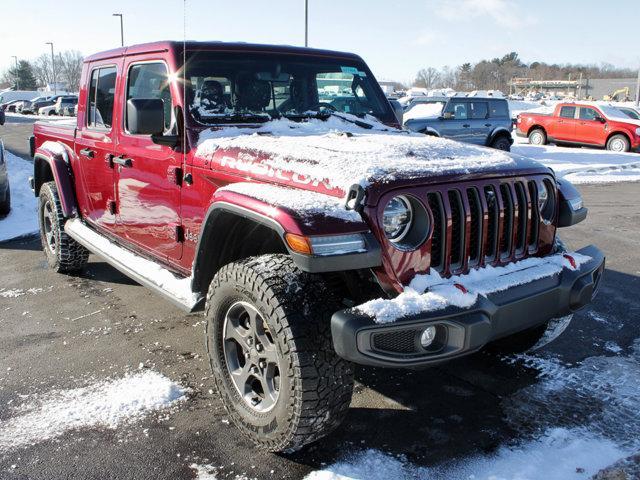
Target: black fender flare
(496, 133)
(52, 163)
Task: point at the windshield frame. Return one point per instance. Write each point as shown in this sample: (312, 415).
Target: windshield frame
(385, 115)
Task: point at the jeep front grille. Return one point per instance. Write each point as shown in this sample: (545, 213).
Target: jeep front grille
(473, 225)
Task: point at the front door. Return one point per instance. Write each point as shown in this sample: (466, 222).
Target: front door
(588, 128)
(94, 146)
(480, 123)
(147, 174)
(456, 122)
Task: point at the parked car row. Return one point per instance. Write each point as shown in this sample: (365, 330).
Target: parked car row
(44, 105)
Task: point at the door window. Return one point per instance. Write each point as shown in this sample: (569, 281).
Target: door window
(150, 80)
(479, 110)
(458, 109)
(568, 112)
(499, 109)
(101, 95)
(588, 113)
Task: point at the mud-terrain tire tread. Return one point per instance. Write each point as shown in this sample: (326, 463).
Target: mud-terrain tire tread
(5, 205)
(70, 256)
(321, 381)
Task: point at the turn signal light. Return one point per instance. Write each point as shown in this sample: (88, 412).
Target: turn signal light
(298, 243)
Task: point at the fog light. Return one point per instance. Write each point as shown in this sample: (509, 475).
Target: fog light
(428, 336)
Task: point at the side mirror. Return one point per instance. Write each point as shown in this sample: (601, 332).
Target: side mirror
(600, 119)
(145, 116)
(397, 109)
(448, 115)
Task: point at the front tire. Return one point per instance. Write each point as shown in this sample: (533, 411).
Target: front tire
(63, 253)
(271, 353)
(618, 143)
(537, 137)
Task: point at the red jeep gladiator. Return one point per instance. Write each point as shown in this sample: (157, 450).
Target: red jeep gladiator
(581, 123)
(272, 187)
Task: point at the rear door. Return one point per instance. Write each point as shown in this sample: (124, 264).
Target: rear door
(94, 145)
(564, 127)
(147, 185)
(588, 128)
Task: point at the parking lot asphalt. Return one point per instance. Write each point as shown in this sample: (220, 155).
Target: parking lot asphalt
(100, 324)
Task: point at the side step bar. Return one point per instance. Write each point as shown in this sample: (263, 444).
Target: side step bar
(147, 273)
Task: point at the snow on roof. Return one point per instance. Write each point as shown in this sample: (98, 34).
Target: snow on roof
(304, 202)
(341, 153)
(442, 293)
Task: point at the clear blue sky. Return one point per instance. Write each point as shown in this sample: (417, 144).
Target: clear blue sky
(396, 37)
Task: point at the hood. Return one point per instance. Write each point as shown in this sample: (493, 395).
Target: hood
(329, 156)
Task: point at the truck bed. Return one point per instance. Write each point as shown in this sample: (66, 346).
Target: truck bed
(54, 132)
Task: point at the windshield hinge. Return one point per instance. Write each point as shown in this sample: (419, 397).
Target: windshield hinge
(355, 198)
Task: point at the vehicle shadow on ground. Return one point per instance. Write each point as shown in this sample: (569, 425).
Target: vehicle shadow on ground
(27, 243)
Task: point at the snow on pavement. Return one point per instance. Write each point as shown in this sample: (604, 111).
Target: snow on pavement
(107, 403)
(586, 415)
(23, 218)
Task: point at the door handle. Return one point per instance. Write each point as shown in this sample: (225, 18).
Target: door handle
(87, 152)
(123, 162)
(466, 125)
(487, 124)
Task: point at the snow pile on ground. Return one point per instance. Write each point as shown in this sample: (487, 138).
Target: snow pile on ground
(583, 165)
(23, 217)
(462, 290)
(559, 454)
(305, 203)
(424, 110)
(107, 403)
(339, 153)
(152, 271)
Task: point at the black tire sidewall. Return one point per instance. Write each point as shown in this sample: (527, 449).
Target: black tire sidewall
(502, 141)
(271, 425)
(5, 205)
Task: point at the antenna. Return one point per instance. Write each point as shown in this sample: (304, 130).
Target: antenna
(184, 81)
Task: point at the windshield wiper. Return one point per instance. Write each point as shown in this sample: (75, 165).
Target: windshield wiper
(234, 118)
(326, 114)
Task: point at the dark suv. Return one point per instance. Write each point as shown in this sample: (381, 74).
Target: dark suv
(479, 120)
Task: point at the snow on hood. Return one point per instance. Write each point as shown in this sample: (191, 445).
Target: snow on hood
(340, 154)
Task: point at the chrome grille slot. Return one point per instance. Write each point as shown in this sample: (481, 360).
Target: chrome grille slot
(492, 228)
(532, 241)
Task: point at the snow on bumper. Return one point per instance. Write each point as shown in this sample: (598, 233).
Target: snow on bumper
(467, 311)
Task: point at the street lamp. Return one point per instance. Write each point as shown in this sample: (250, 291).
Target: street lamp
(17, 77)
(306, 23)
(53, 67)
(121, 28)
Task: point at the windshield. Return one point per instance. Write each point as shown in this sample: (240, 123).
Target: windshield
(232, 88)
(611, 112)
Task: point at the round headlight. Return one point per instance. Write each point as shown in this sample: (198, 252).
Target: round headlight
(396, 218)
(546, 200)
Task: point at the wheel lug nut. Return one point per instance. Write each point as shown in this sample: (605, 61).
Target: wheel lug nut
(249, 341)
(263, 364)
(255, 401)
(259, 347)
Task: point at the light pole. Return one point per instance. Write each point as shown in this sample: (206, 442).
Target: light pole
(306, 23)
(638, 90)
(53, 68)
(17, 77)
(121, 28)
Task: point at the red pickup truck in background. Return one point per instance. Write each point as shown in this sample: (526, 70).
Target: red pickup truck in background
(580, 123)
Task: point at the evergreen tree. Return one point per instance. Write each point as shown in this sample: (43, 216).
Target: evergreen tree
(22, 75)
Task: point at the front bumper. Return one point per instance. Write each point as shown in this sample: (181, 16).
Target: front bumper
(357, 338)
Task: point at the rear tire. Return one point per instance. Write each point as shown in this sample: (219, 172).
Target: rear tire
(268, 301)
(5, 205)
(537, 137)
(501, 143)
(63, 253)
(618, 143)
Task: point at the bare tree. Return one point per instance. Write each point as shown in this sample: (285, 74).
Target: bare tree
(42, 69)
(69, 64)
(427, 78)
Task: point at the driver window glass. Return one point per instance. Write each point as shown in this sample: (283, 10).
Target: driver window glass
(588, 114)
(568, 112)
(150, 80)
(101, 94)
